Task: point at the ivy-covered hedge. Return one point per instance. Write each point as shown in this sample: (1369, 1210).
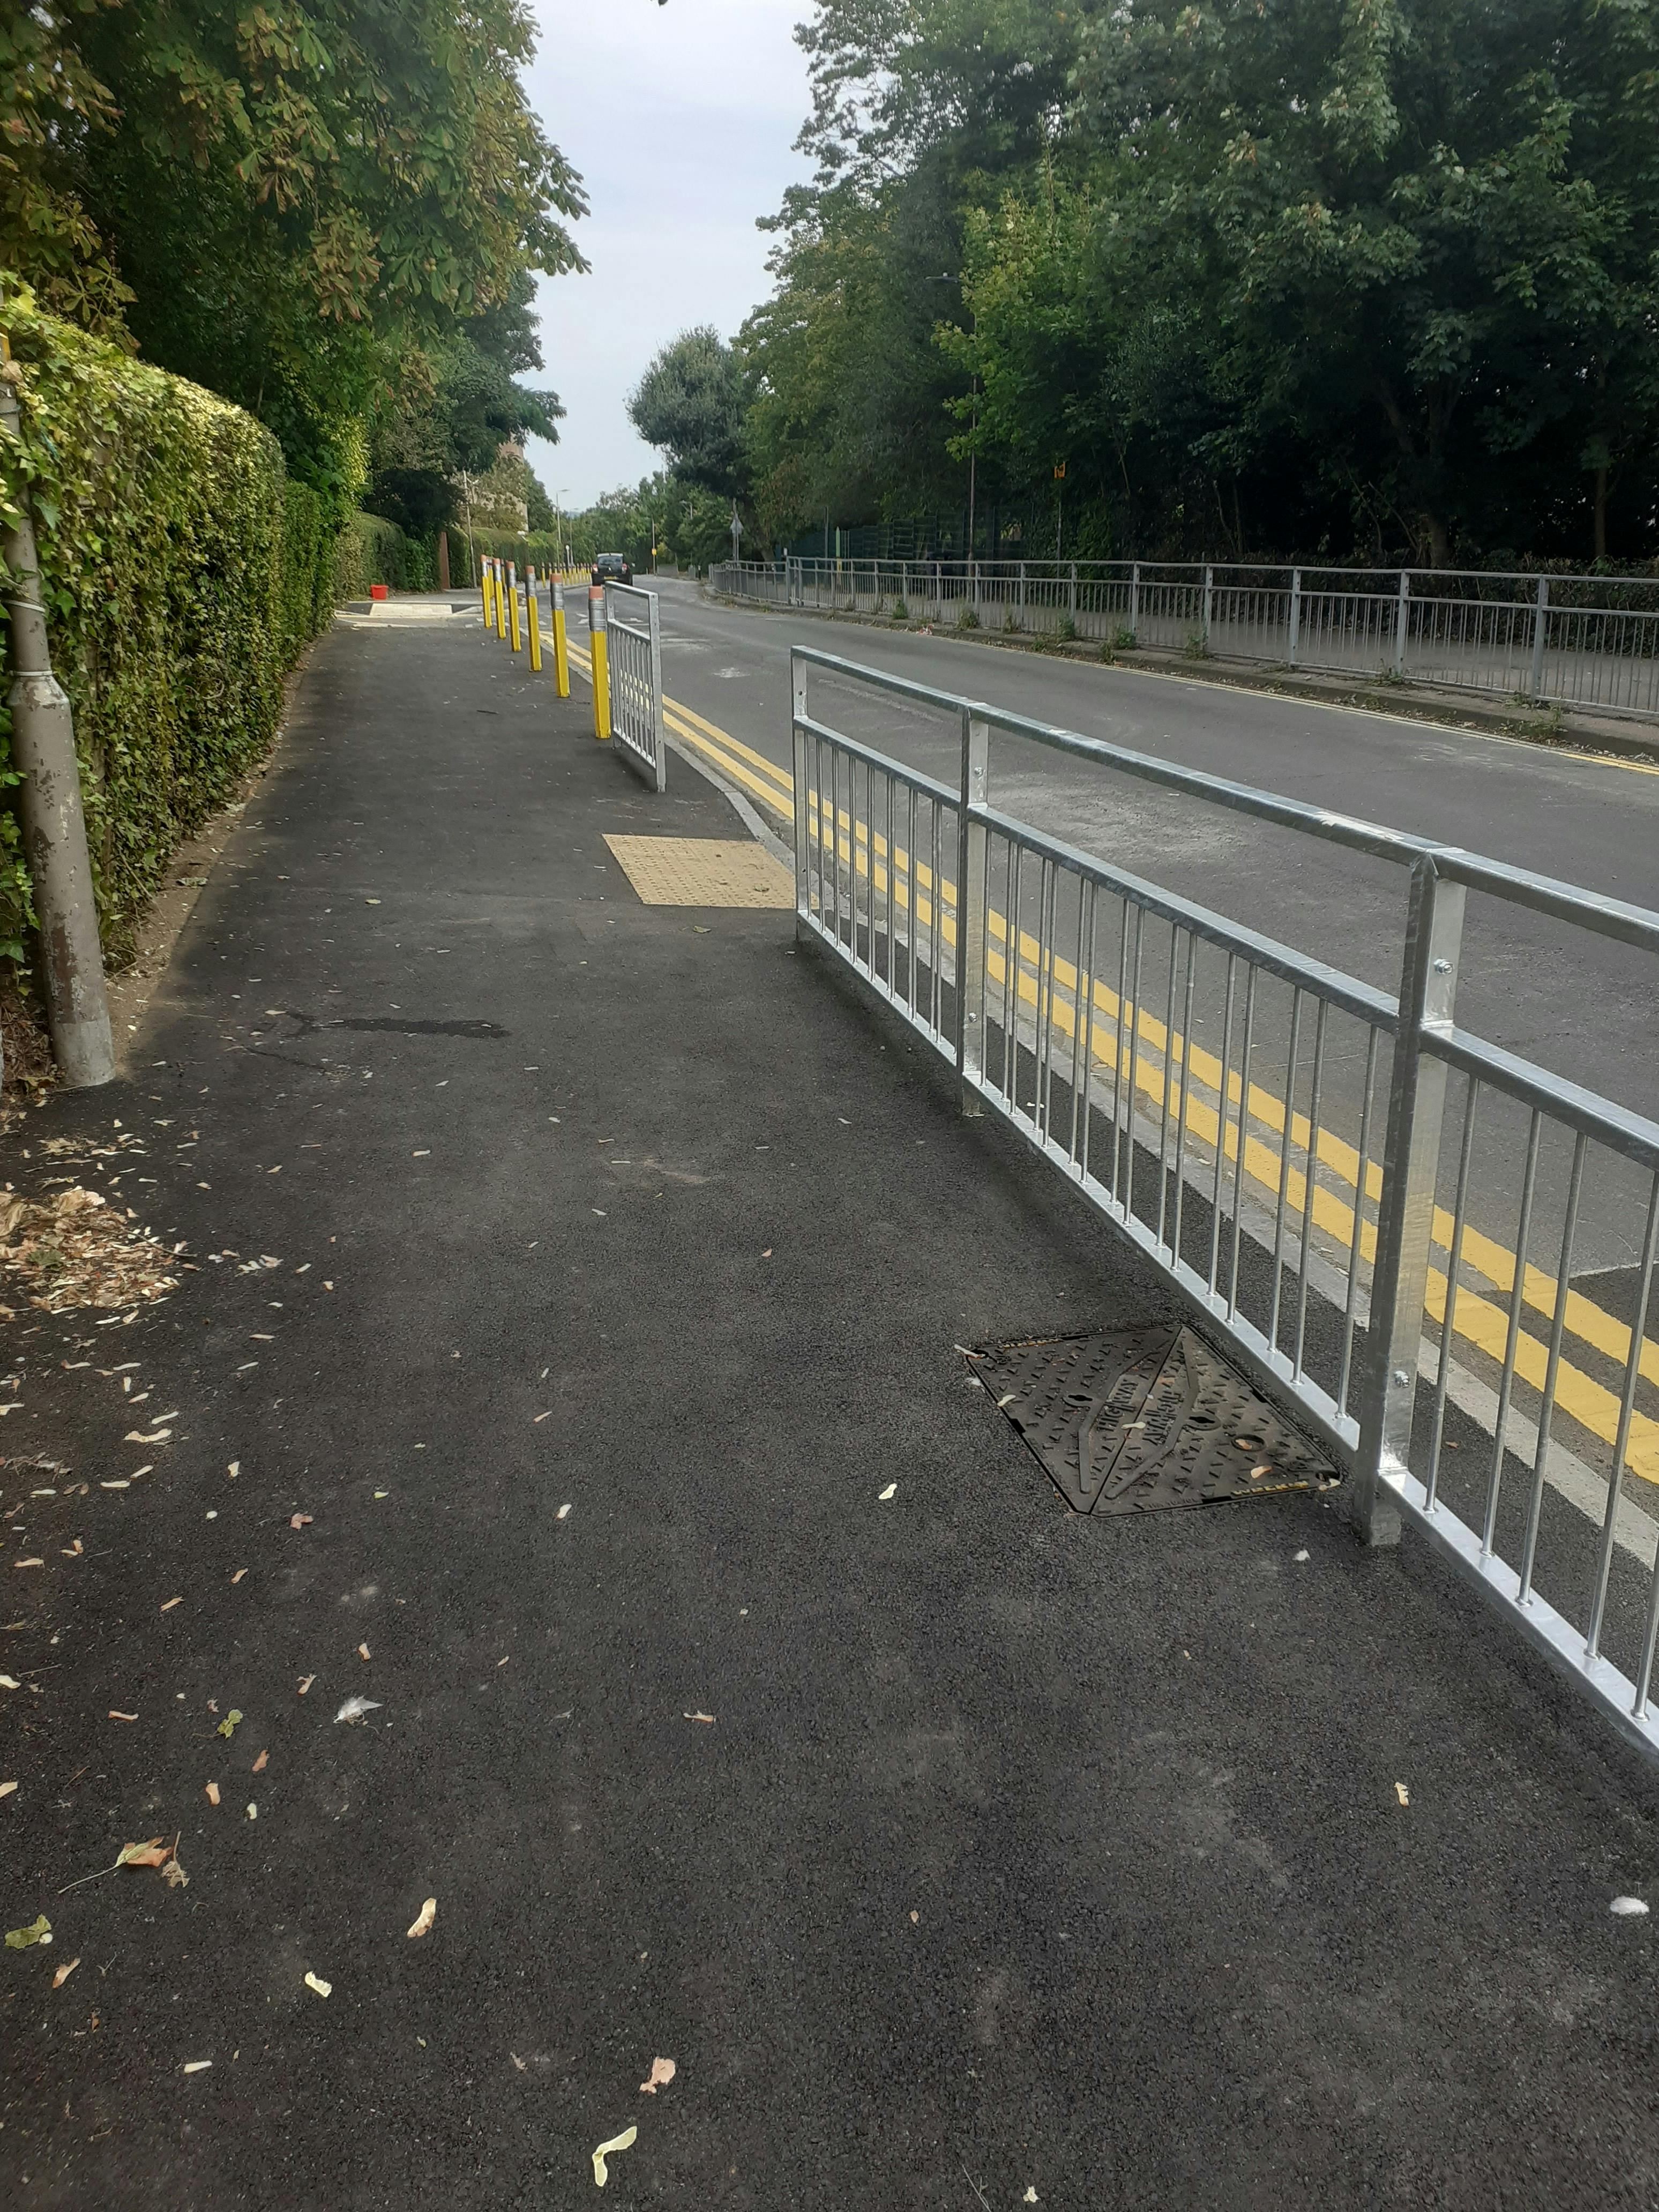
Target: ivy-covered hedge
(372, 551)
(184, 572)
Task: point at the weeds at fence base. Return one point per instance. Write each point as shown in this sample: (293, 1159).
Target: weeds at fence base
(1197, 647)
(968, 618)
(901, 613)
(1068, 630)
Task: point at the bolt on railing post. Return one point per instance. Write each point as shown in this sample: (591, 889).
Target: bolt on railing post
(972, 900)
(1209, 594)
(1295, 617)
(1134, 600)
(1405, 1216)
(1402, 615)
(1540, 624)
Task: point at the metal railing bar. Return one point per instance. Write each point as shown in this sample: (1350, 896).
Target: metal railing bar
(1626, 1416)
(1547, 1402)
(1506, 1388)
(1632, 1135)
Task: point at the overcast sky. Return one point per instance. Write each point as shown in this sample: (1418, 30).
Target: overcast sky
(680, 119)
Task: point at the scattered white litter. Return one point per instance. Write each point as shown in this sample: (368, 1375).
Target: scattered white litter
(1628, 1908)
(892, 1491)
(563, 1513)
(196, 2066)
(1300, 1557)
(354, 1708)
(316, 1982)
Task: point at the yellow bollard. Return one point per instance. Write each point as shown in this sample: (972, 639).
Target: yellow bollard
(500, 599)
(535, 620)
(597, 647)
(561, 646)
(513, 603)
(489, 610)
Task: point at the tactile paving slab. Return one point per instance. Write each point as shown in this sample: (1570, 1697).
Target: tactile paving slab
(702, 871)
(1146, 1421)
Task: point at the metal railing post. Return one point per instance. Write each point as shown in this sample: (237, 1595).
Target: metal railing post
(1405, 1219)
(1134, 600)
(1022, 595)
(1204, 611)
(1402, 615)
(972, 899)
(1072, 603)
(1540, 624)
(658, 736)
(1295, 617)
(797, 749)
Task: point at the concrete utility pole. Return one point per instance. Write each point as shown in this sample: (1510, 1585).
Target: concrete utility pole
(49, 806)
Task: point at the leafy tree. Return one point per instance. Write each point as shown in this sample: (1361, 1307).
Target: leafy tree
(294, 195)
(690, 404)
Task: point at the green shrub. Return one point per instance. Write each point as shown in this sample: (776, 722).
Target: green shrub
(183, 572)
(372, 551)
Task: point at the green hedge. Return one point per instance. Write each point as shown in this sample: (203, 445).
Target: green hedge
(372, 551)
(184, 573)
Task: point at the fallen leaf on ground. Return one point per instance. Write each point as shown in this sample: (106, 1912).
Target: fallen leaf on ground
(155, 1437)
(363, 1651)
(171, 1602)
(513, 2055)
(1402, 1793)
(237, 1577)
(64, 1973)
(662, 2073)
(152, 1854)
(196, 2066)
(38, 1931)
(354, 1708)
(171, 1872)
(315, 1982)
(6, 1789)
(114, 1716)
(9, 1682)
(1625, 1908)
(306, 1681)
(299, 1521)
(259, 1764)
(623, 2142)
(892, 1491)
(227, 1726)
(28, 1563)
(211, 1791)
(563, 1513)
(709, 1717)
(253, 1811)
(423, 1919)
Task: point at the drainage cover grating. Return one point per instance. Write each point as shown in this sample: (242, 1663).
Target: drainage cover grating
(1145, 1421)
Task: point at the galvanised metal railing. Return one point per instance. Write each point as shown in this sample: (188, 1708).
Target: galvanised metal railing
(1377, 1211)
(1588, 641)
(635, 635)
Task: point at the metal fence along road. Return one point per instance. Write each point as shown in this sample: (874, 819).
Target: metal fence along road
(1588, 641)
(635, 635)
(1374, 1208)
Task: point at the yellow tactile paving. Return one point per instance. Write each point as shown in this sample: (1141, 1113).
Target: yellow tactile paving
(702, 871)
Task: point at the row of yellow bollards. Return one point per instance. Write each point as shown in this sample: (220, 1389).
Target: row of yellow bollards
(500, 614)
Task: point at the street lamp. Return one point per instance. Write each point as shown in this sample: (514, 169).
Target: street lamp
(559, 546)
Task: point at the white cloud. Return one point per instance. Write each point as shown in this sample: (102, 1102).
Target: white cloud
(681, 119)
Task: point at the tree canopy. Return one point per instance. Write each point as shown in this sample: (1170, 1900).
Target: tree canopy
(689, 405)
(319, 209)
(1372, 278)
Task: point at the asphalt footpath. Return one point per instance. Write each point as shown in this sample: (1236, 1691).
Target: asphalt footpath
(564, 1360)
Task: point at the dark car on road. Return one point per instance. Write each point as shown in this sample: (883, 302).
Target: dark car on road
(613, 569)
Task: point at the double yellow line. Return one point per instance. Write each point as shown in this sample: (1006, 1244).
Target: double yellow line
(1123, 1034)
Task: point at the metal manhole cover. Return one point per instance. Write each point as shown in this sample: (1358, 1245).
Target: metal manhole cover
(1145, 1421)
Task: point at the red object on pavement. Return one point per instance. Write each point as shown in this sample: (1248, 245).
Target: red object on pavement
(378, 591)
